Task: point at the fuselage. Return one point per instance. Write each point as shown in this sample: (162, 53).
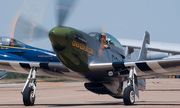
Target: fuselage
(22, 52)
(76, 50)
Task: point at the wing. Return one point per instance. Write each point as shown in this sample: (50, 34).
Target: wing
(43, 68)
(155, 46)
(145, 69)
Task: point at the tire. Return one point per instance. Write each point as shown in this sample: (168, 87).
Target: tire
(128, 96)
(27, 97)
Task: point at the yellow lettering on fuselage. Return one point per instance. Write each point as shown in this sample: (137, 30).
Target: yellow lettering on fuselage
(91, 51)
(82, 47)
(45, 56)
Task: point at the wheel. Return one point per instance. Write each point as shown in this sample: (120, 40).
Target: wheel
(27, 97)
(128, 96)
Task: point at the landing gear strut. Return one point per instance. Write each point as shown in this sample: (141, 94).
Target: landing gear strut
(131, 89)
(29, 88)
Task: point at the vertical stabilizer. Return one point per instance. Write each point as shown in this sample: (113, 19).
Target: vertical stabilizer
(143, 50)
(142, 56)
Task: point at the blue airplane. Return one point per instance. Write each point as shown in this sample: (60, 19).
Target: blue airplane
(12, 49)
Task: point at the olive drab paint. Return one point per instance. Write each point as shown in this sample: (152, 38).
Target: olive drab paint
(74, 53)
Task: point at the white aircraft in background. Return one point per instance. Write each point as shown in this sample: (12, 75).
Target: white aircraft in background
(156, 50)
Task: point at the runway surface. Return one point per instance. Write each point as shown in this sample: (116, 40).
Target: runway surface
(160, 93)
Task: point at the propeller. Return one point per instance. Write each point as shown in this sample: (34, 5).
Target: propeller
(63, 7)
(25, 27)
(26, 31)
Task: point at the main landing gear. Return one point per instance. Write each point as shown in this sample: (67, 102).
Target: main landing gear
(29, 88)
(128, 96)
(131, 89)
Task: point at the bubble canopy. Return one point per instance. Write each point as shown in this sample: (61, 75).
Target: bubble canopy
(10, 42)
(109, 38)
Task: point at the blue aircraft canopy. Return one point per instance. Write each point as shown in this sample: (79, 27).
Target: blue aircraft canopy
(10, 42)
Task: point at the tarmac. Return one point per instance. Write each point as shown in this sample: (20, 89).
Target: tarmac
(160, 93)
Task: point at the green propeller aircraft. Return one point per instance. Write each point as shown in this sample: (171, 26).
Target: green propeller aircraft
(96, 58)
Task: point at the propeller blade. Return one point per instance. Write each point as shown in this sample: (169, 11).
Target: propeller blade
(63, 7)
(25, 26)
(92, 29)
(103, 41)
(26, 31)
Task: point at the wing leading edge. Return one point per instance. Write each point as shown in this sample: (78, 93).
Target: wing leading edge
(145, 69)
(24, 67)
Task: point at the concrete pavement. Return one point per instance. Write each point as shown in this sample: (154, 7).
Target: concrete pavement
(160, 93)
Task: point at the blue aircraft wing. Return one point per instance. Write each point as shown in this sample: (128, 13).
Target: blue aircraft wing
(51, 69)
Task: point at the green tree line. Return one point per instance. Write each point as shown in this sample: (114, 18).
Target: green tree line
(12, 75)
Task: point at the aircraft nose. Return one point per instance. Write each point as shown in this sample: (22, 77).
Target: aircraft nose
(58, 37)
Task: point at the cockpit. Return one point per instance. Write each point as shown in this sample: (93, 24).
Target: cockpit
(110, 40)
(10, 42)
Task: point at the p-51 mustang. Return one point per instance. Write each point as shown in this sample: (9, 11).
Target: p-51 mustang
(97, 58)
(85, 57)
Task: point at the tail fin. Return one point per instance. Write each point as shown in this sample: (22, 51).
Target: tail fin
(143, 50)
(142, 56)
